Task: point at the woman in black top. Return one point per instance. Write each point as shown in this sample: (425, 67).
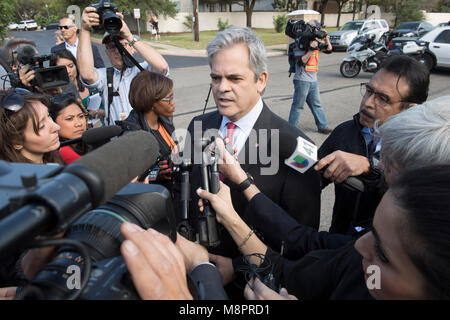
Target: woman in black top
(151, 96)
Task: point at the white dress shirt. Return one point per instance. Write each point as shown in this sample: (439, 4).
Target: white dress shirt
(72, 49)
(243, 126)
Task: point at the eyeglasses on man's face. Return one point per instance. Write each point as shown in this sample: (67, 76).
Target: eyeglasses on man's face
(380, 98)
(66, 27)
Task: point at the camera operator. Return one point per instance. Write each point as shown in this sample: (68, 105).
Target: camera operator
(28, 62)
(123, 70)
(306, 84)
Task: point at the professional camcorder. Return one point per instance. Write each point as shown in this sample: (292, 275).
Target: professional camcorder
(109, 20)
(45, 78)
(303, 33)
(46, 200)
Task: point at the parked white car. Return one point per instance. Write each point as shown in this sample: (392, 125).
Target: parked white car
(342, 38)
(27, 25)
(438, 43)
(12, 26)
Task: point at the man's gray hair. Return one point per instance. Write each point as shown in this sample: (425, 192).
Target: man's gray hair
(236, 35)
(417, 137)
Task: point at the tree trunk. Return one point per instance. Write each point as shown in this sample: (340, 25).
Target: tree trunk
(323, 5)
(339, 16)
(249, 6)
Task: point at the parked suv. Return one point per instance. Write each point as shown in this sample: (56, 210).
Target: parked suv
(342, 38)
(27, 25)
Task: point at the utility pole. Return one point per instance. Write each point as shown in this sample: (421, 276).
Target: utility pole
(196, 31)
(48, 14)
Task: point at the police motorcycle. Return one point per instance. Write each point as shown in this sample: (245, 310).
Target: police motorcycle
(364, 53)
(368, 55)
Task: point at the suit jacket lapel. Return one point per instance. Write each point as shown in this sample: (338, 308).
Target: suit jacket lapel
(263, 122)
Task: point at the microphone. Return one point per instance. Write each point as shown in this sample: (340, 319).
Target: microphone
(95, 135)
(119, 161)
(83, 185)
(301, 155)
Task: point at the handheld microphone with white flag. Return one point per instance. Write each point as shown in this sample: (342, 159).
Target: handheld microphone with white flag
(301, 155)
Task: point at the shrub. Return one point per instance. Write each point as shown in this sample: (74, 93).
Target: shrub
(279, 22)
(222, 25)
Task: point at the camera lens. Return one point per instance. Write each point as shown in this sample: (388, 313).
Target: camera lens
(111, 22)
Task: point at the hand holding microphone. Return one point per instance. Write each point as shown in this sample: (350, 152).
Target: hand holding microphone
(301, 155)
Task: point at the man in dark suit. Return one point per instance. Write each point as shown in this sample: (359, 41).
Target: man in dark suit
(237, 58)
(69, 32)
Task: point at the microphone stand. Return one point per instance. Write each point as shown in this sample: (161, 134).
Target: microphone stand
(208, 233)
(184, 228)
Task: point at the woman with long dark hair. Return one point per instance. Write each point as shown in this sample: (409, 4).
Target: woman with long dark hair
(27, 132)
(65, 58)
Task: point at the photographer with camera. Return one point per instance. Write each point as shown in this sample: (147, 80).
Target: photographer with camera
(115, 96)
(305, 79)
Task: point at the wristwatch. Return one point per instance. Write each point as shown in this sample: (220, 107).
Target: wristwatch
(135, 39)
(246, 183)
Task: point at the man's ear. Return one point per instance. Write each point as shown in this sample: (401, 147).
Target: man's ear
(262, 81)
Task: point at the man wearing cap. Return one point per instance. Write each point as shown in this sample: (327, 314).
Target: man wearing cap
(123, 71)
(69, 33)
(306, 85)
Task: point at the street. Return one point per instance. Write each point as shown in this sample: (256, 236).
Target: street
(340, 96)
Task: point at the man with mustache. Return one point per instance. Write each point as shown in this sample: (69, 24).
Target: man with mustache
(351, 150)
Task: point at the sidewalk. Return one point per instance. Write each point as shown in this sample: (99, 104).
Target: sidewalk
(166, 49)
(276, 50)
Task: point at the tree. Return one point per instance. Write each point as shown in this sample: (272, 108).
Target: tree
(288, 5)
(444, 6)
(7, 15)
(340, 4)
(248, 6)
(404, 10)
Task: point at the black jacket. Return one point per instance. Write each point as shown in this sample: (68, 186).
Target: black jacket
(137, 121)
(322, 274)
(352, 208)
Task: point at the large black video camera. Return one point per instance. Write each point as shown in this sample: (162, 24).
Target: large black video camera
(49, 199)
(109, 20)
(45, 78)
(303, 33)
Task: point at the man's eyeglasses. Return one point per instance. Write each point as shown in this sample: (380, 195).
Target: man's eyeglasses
(169, 99)
(380, 98)
(14, 101)
(66, 27)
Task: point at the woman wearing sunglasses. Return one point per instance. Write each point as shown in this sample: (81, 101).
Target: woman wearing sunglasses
(27, 132)
(65, 58)
(71, 116)
(151, 96)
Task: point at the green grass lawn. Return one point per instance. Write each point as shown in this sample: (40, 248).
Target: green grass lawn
(185, 40)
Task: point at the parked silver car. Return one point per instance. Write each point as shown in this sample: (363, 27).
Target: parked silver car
(342, 38)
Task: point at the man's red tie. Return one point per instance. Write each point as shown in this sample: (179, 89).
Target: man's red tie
(230, 130)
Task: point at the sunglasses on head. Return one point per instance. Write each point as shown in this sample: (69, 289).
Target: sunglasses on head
(66, 27)
(13, 100)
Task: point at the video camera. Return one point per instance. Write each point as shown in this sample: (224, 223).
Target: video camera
(303, 33)
(109, 20)
(49, 199)
(45, 78)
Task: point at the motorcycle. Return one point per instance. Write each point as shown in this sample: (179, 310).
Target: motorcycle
(365, 54)
(368, 55)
